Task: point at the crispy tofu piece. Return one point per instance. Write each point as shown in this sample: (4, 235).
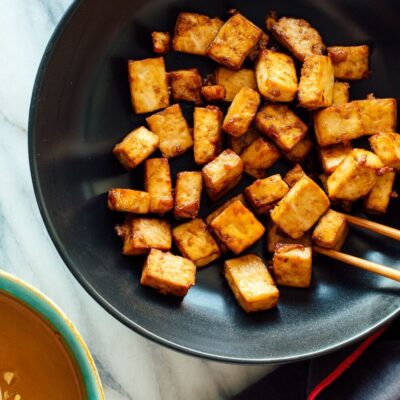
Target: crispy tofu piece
(344, 204)
(194, 33)
(127, 200)
(207, 133)
(301, 208)
(294, 175)
(300, 151)
(185, 85)
(281, 124)
(332, 156)
(233, 81)
(264, 193)
(213, 92)
(136, 147)
(377, 200)
(355, 176)
(292, 265)
(237, 227)
(378, 115)
(139, 235)
(387, 146)
(167, 273)
(258, 157)
(276, 236)
(157, 182)
(238, 144)
(251, 283)
(261, 45)
(171, 127)
(298, 36)
(276, 76)
(331, 230)
(196, 243)
(219, 210)
(148, 83)
(340, 93)
(234, 41)
(350, 62)
(188, 194)
(316, 82)
(161, 42)
(222, 174)
(241, 112)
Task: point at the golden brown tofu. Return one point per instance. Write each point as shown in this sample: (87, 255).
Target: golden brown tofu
(377, 200)
(136, 147)
(233, 81)
(276, 76)
(237, 227)
(387, 146)
(340, 93)
(298, 36)
(219, 210)
(251, 283)
(281, 124)
(378, 115)
(185, 85)
(194, 33)
(234, 41)
(157, 182)
(139, 235)
(294, 175)
(222, 174)
(292, 265)
(300, 151)
(207, 133)
(188, 194)
(316, 82)
(173, 131)
(238, 144)
(350, 62)
(264, 193)
(241, 112)
(258, 157)
(148, 83)
(331, 230)
(213, 92)
(161, 42)
(196, 243)
(355, 176)
(275, 236)
(301, 208)
(261, 45)
(127, 200)
(332, 156)
(167, 273)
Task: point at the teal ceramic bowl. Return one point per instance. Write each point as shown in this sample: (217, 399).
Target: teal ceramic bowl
(45, 307)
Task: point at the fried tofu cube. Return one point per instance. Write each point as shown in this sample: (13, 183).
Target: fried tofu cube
(185, 85)
(161, 42)
(294, 175)
(331, 230)
(222, 174)
(258, 157)
(340, 93)
(157, 182)
(167, 273)
(127, 200)
(332, 156)
(207, 133)
(233, 81)
(275, 236)
(238, 144)
(139, 235)
(148, 84)
(298, 36)
(173, 131)
(301, 208)
(194, 32)
(263, 193)
(136, 147)
(276, 76)
(377, 200)
(234, 41)
(350, 62)
(251, 283)
(292, 265)
(300, 151)
(188, 194)
(316, 82)
(213, 92)
(219, 210)
(241, 112)
(387, 147)
(378, 115)
(261, 45)
(355, 176)
(196, 243)
(281, 124)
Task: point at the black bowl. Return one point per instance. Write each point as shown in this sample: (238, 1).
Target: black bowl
(81, 108)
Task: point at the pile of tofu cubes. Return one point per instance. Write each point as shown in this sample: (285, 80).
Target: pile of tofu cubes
(261, 76)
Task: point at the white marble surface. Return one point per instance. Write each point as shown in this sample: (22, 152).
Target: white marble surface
(131, 367)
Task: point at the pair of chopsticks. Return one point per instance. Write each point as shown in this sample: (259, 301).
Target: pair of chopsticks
(379, 269)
